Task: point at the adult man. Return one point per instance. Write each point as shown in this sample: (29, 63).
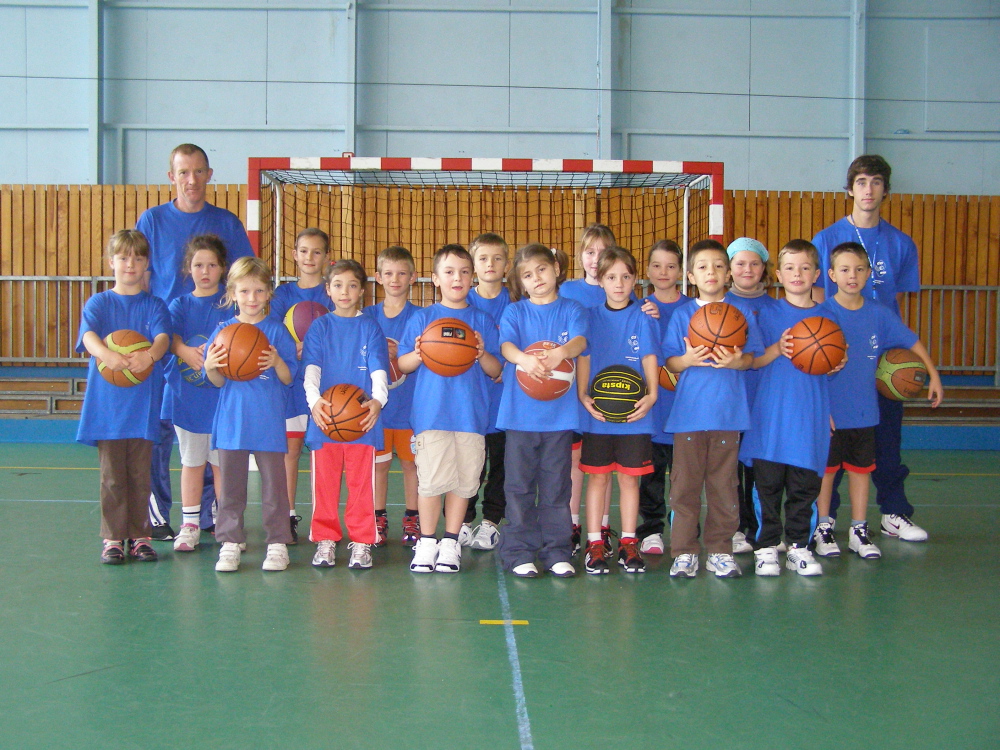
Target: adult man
(168, 227)
(893, 258)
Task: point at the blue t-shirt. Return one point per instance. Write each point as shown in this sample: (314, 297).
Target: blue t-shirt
(523, 323)
(790, 416)
(708, 398)
(892, 253)
(250, 415)
(189, 400)
(459, 403)
(346, 350)
(620, 337)
(665, 399)
(494, 308)
(168, 229)
(396, 414)
(869, 331)
(111, 412)
(588, 295)
(751, 307)
(284, 297)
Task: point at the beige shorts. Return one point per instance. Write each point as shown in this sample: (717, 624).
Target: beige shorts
(448, 462)
(196, 448)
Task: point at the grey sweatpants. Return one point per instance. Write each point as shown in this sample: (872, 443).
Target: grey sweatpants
(235, 467)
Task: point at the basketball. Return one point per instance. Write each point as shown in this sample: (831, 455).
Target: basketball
(818, 345)
(552, 387)
(346, 412)
(900, 375)
(448, 347)
(191, 375)
(616, 390)
(396, 376)
(300, 316)
(668, 379)
(124, 342)
(245, 344)
(718, 324)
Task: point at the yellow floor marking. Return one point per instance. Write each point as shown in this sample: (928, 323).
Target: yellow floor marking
(503, 622)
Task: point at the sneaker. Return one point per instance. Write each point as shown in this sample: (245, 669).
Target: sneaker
(723, 565)
(381, 530)
(782, 547)
(293, 526)
(187, 539)
(607, 535)
(562, 570)
(229, 558)
(740, 544)
(449, 556)
(684, 566)
(276, 558)
(162, 532)
(425, 553)
(485, 536)
(411, 530)
(802, 561)
(595, 564)
(628, 556)
(902, 527)
(525, 570)
(824, 541)
(653, 545)
(575, 538)
(326, 554)
(361, 556)
(465, 535)
(765, 562)
(113, 552)
(141, 550)
(859, 541)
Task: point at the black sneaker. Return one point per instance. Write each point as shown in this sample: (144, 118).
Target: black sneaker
(595, 563)
(140, 549)
(113, 553)
(607, 534)
(293, 523)
(162, 532)
(575, 539)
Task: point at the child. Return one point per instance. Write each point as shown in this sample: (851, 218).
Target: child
(345, 347)
(312, 251)
(790, 414)
(450, 415)
(663, 270)
(189, 400)
(539, 433)
(250, 417)
(620, 334)
(870, 328)
(396, 272)
(489, 258)
(710, 410)
(748, 262)
(124, 422)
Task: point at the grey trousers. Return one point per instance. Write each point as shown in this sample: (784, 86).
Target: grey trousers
(125, 488)
(235, 466)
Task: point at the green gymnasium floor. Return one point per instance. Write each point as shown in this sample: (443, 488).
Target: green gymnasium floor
(899, 653)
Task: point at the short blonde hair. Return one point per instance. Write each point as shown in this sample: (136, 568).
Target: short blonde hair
(246, 268)
(128, 242)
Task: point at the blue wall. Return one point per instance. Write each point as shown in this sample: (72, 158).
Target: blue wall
(783, 92)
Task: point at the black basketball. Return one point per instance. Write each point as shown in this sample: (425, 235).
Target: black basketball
(616, 390)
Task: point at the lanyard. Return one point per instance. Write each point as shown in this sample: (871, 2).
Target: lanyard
(872, 260)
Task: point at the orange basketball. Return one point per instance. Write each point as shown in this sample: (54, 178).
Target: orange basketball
(718, 324)
(448, 347)
(900, 375)
(124, 342)
(552, 387)
(245, 345)
(818, 345)
(396, 376)
(346, 412)
(668, 379)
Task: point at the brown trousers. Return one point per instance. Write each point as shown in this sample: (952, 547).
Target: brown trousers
(125, 488)
(704, 459)
(235, 468)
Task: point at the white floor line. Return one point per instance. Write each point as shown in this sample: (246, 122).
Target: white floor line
(523, 722)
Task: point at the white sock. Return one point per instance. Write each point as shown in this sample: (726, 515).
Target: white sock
(575, 518)
(628, 534)
(605, 521)
(291, 511)
(191, 515)
(594, 537)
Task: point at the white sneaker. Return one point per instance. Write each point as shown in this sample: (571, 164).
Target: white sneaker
(326, 554)
(766, 562)
(740, 544)
(361, 556)
(896, 525)
(484, 536)
(684, 566)
(782, 547)
(187, 538)
(229, 558)
(525, 570)
(652, 545)
(859, 541)
(802, 561)
(425, 553)
(562, 570)
(276, 558)
(723, 565)
(465, 535)
(449, 559)
(824, 541)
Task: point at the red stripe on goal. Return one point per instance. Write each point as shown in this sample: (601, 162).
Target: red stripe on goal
(516, 165)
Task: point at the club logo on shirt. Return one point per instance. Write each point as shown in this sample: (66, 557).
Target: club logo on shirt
(873, 342)
(364, 358)
(880, 268)
(562, 338)
(633, 341)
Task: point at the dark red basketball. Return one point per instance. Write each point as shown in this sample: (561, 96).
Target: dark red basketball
(124, 342)
(346, 412)
(818, 345)
(448, 347)
(300, 316)
(245, 344)
(552, 387)
(718, 324)
(668, 379)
